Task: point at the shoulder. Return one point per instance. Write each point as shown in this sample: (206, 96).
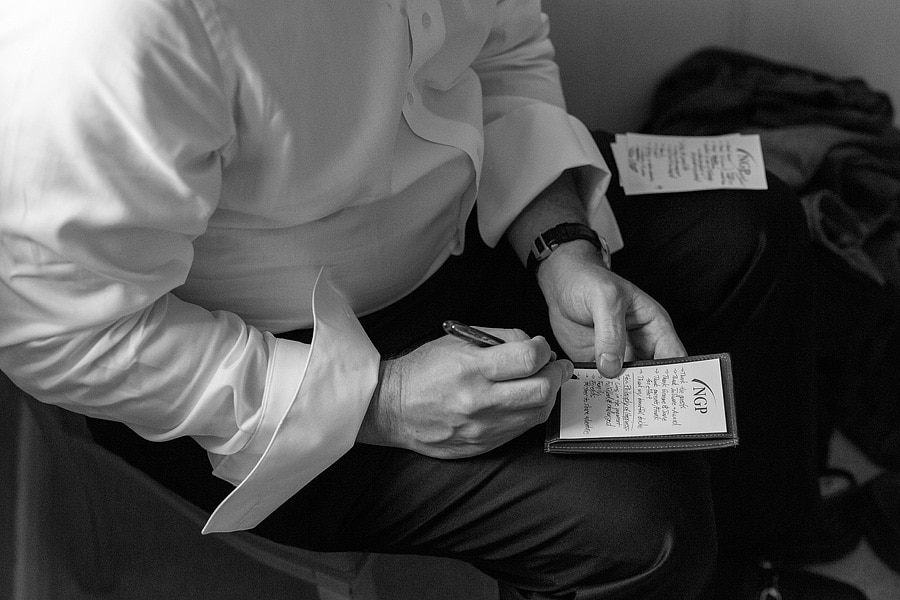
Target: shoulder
(99, 66)
(100, 32)
(106, 45)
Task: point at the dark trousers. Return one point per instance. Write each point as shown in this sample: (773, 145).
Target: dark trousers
(732, 270)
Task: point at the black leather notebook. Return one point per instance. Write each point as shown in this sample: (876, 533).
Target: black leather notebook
(653, 406)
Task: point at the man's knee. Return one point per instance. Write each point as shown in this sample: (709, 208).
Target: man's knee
(750, 237)
(703, 253)
(758, 247)
(649, 535)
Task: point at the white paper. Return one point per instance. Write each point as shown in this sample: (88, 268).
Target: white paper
(654, 164)
(664, 399)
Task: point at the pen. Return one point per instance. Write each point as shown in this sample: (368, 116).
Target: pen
(478, 337)
(470, 334)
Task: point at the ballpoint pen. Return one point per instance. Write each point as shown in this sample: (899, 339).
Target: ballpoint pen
(470, 334)
(478, 337)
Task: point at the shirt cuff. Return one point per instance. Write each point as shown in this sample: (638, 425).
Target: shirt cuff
(321, 418)
(525, 151)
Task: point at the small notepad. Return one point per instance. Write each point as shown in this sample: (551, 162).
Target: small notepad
(656, 405)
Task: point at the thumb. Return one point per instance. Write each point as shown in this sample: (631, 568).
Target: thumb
(609, 340)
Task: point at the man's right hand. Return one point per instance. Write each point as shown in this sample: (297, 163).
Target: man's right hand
(451, 399)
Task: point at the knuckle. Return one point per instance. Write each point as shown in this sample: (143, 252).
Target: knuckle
(545, 387)
(519, 335)
(545, 390)
(544, 412)
(609, 290)
(609, 335)
(665, 315)
(467, 404)
(528, 358)
(539, 393)
(473, 433)
(458, 367)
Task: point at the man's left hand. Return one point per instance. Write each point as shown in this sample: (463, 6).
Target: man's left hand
(599, 316)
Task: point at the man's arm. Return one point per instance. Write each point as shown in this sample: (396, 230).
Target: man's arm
(531, 148)
(529, 137)
(113, 165)
(595, 314)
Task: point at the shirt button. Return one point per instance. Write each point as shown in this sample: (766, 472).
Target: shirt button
(426, 20)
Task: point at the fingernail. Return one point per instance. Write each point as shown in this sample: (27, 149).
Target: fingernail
(610, 363)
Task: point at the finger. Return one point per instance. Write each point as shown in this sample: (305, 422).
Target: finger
(609, 334)
(535, 393)
(515, 360)
(656, 337)
(669, 346)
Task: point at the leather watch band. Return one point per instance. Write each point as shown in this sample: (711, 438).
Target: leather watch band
(544, 244)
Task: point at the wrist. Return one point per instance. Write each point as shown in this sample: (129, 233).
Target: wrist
(562, 235)
(379, 425)
(561, 261)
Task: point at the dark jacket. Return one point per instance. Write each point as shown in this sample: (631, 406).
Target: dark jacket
(832, 140)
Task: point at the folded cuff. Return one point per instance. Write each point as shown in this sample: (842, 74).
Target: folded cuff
(321, 420)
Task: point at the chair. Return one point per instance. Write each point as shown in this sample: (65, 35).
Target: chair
(88, 525)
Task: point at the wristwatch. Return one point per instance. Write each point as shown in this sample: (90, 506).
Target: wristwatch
(544, 244)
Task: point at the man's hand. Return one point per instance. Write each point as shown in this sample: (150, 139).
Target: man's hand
(450, 399)
(597, 315)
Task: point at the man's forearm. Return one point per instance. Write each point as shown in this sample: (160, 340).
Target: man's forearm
(558, 203)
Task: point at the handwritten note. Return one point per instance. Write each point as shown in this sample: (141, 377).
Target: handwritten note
(653, 164)
(679, 398)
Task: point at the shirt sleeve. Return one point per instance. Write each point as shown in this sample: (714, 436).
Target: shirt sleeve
(113, 127)
(530, 139)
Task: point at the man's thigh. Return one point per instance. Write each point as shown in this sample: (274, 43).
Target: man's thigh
(535, 521)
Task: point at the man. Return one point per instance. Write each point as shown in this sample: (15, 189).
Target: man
(243, 223)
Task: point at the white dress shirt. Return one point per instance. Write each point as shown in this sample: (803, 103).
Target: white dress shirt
(180, 179)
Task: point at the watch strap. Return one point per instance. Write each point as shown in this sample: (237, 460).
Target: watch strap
(544, 244)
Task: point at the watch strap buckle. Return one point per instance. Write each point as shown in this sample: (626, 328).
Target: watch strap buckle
(548, 241)
(540, 249)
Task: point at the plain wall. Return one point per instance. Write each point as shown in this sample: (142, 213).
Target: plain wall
(612, 52)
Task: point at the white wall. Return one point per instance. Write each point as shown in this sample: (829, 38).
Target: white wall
(612, 52)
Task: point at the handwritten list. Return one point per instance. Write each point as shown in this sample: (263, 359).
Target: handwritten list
(653, 164)
(680, 398)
